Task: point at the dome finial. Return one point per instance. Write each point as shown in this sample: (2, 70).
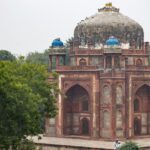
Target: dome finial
(108, 4)
(108, 8)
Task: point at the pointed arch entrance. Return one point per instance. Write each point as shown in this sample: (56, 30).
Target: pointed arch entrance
(141, 108)
(76, 105)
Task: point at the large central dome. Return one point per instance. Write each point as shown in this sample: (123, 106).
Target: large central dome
(108, 22)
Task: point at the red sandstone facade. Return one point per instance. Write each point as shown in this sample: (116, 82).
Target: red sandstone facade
(106, 90)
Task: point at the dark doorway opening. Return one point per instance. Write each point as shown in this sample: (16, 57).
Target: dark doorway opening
(137, 126)
(85, 126)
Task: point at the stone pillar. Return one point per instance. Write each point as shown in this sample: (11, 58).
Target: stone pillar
(60, 111)
(113, 112)
(57, 61)
(94, 131)
(64, 59)
(130, 108)
(104, 62)
(112, 62)
(50, 62)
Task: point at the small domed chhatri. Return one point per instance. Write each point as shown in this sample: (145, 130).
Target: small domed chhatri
(57, 43)
(108, 22)
(112, 41)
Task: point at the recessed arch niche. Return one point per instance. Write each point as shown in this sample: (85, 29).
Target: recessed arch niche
(119, 95)
(106, 119)
(106, 94)
(76, 97)
(82, 62)
(141, 108)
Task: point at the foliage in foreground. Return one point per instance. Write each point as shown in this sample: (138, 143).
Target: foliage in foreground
(26, 98)
(129, 146)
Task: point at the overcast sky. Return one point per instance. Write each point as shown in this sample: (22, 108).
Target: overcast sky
(31, 25)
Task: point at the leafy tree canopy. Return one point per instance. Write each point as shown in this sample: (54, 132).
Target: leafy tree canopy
(6, 55)
(26, 98)
(38, 58)
(67, 43)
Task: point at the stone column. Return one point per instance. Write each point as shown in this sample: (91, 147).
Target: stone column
(64, 58)
(113, 112)
(57, 61)
(60, 111)
(130, 107)
(112, 62)
(94, 122)
(104, 62)
(50, 62)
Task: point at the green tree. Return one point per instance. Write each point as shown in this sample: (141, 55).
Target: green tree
(70, 40)
(38, 58)
(26, 98)
(129, 146)
(6, 55)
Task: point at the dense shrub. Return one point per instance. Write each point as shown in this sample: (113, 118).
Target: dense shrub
(129, 146)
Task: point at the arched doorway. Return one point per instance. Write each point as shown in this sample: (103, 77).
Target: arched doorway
(141, 106)
(75, 104)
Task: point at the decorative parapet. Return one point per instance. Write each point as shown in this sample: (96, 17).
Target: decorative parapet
(57, 51)
(89, 52)
(133, 52)
(76, 68)
(113, 50)
(138, 68)
(107, 75)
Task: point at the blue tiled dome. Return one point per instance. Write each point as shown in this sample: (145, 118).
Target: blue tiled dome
(112, 41)
(57, 43)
